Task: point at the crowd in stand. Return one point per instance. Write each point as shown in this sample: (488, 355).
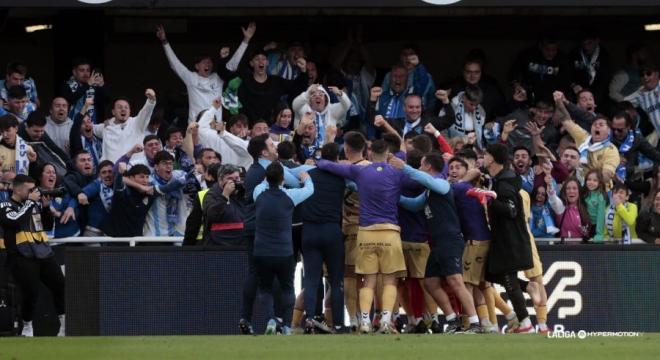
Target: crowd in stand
(581, 133)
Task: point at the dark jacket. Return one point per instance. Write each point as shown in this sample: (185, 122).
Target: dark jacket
(494, 101)
(47, 152)
(520, 135)
(440, 122)
(224, 219)
(22, 234)
(542, 77)
(648, 226)
(510, 249)
(639, 146)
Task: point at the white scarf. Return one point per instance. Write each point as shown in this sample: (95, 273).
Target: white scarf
(22, 161)
(590, 64)
(478, 118)
(105, 194)
(609, 222)
(586, 147)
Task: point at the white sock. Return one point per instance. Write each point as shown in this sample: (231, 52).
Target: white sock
(526, 322)
(543, 326)
(385, 317)
(474, 319)
(485, 323)
(417, 320)
(510, 316)
(451, 317)
(364, 317)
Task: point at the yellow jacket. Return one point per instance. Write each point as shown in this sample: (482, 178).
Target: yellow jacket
(606, 159)
(624, 212)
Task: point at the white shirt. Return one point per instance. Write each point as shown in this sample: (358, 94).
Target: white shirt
(649, 101)
(59, 132)
(232, 148)
(201, 90)
(118, 138)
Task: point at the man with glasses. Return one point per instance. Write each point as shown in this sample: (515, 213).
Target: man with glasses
(648, 96)
(634, 150)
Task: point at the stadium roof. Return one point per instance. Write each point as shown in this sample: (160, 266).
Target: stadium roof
(326, 3)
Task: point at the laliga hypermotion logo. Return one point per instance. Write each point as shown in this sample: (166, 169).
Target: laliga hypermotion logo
(560, 293)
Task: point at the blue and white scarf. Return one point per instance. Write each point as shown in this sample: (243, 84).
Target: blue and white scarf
(94, 147)
(587, 147)
(643, 163)
(609, 223)
(22, 161)
(479, 119)
(78, 105)
(105, 194)
(171, 199)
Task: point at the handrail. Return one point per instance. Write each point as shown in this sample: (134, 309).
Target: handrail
(177, 240)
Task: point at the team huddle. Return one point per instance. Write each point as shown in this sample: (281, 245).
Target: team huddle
(417, 234)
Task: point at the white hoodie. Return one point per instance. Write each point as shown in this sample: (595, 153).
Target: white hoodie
(333, 114)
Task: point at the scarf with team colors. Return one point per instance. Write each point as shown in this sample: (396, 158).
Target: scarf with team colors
(587, 147)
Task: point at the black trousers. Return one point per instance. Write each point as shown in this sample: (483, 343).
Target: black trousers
(29, 274)
(514, 290)
(269, 269)
(323, 243)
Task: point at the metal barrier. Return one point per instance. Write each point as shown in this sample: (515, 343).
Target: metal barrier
(177, 240)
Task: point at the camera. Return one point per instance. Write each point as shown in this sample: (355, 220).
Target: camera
(56, 192)
(239, 186)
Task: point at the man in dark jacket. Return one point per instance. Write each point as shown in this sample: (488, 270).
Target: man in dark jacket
(636, 151)
(510, 250)
(33, 131)
(224, 209)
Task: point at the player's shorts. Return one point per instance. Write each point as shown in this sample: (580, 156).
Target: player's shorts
(379, 250)
(537, 270)
(415, 255)
(474, 261)
(445, 259)
(350, 250)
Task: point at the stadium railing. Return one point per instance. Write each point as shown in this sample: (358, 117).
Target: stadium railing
(177, 240)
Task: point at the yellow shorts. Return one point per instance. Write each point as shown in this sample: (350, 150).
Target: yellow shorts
(379, 250)
(350, 249)
(474, 259)
(537, 270)
(415, 255)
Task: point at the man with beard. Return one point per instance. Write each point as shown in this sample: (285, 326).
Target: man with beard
(99, 195)
(634, 150)
(58, 123)
(15, 154)
(522, 166)
(74, 182)
(122, 131)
